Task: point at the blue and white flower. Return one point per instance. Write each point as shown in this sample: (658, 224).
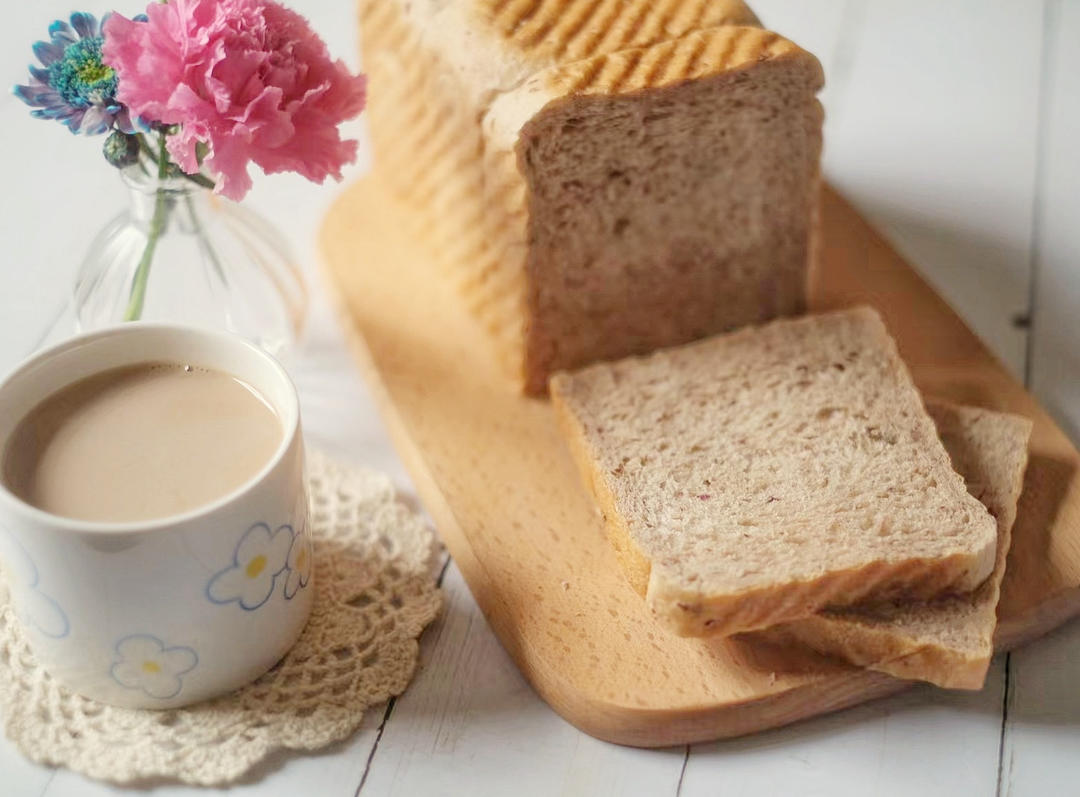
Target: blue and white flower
(73, 85)
(260, 556)
(299, 564)
(145, 663)
(37, 610)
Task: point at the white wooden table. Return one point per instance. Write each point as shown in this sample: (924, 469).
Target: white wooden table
(954, 126)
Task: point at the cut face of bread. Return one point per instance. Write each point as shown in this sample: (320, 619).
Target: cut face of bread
(760, 476)
(598, 177)
(669, 193)
(949, 641)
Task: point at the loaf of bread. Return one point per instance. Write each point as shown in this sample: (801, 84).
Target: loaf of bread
(950, 641)
(598, 177)
(762, 476)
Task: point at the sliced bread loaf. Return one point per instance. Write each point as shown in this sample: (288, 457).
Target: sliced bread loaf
(948, 641)
(598, 177)
(760, 476)
(668, 193)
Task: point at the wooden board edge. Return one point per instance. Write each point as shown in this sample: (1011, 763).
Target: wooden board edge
(1038, 622)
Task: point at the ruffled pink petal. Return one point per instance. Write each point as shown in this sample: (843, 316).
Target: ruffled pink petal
(228, 162)
(249, 78)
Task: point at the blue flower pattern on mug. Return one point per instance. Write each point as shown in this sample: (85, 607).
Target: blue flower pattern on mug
(299, 564)
(39, 611)
(260, 556)
(145, 663)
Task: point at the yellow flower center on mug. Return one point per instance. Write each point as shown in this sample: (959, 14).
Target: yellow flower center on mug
(301, 558)
(255, 566)
(150, 666)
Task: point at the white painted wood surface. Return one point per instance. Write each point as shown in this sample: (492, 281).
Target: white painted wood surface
(954, 127)
(1055, 351)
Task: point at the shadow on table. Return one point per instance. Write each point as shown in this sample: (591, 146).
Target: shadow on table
(919, 707)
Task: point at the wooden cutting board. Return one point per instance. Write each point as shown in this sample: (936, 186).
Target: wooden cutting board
(493, 472)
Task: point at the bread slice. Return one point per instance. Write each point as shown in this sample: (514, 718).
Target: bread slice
(761, 476)
(949, 641)
(669, 192)
(598, 177)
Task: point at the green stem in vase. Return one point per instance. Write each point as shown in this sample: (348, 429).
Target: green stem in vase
(157, 224)
(204, 242)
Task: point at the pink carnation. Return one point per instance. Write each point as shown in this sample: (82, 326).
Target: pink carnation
(248, 78)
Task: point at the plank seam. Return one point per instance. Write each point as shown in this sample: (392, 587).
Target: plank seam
(393, 700)
(682, 772)
(1006, 692)
(1051, 17)
(1051, 13)
(374, 747)
(442, 571)
(48, 783)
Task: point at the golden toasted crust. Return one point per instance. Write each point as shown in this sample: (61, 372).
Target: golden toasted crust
(427, 146)
(559, 31)
(702, 53)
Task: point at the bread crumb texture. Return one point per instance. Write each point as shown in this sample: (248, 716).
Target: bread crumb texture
(948, 641)
(771, 472)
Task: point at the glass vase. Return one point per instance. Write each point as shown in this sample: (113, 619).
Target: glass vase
(182, 254)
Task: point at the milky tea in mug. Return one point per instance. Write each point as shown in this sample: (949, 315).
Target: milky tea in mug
(154, 515)
(140, 442)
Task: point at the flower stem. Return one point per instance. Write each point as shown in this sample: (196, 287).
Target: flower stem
(157, 223)
(199, 179)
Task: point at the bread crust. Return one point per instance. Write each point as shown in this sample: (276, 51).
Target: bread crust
(635, 564)
(437, 71)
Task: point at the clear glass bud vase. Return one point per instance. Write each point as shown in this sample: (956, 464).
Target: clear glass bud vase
(179, 253)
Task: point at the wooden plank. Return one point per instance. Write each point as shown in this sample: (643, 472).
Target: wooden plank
(933, 138)
(1041, 731)
(924, 742)
(21, 777)
(1055, 361)
(470, 722)
(1042, 734)
(494, 474)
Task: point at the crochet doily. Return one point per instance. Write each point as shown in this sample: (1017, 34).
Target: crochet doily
(375, 593)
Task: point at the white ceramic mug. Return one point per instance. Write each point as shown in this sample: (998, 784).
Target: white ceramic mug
(168, 612)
